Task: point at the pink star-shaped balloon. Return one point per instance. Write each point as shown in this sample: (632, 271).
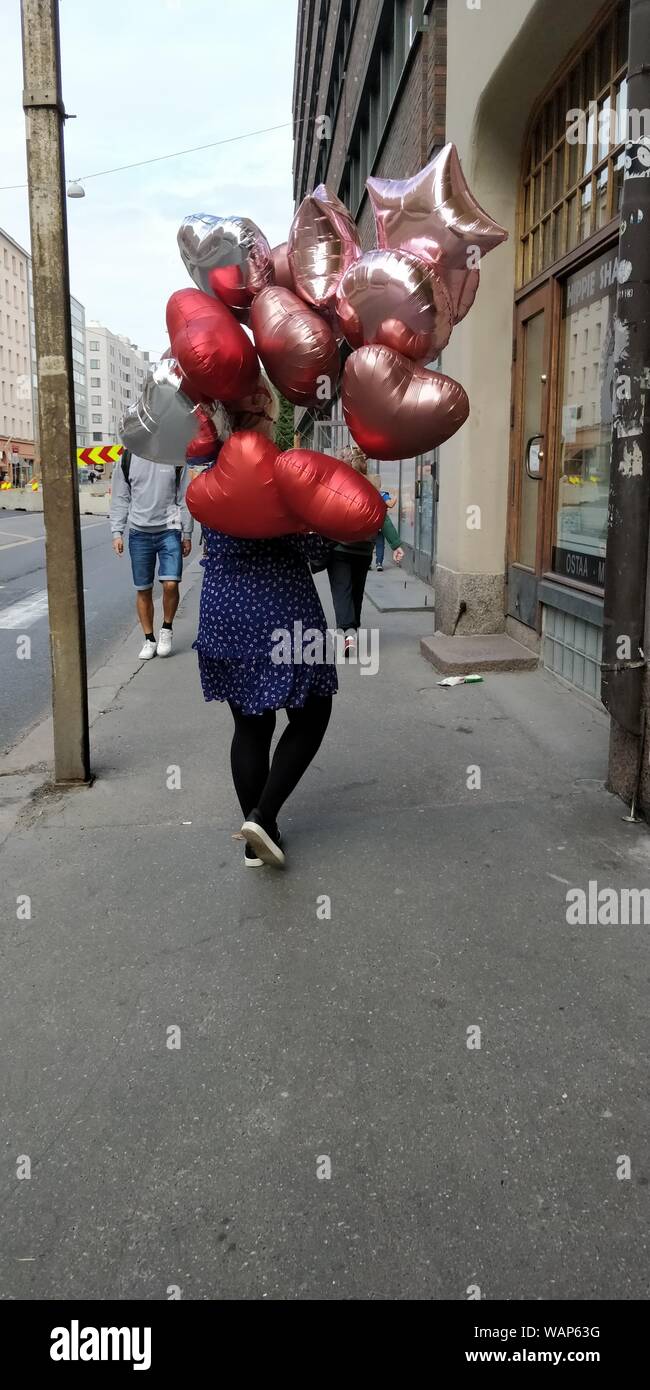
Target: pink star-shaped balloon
(434, 215)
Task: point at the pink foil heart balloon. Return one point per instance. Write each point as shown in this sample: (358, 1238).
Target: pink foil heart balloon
(395, 408)
(462, 286)
(296, 345)
(434, 214)
(281, 267)
(393, 298)
(323, 242)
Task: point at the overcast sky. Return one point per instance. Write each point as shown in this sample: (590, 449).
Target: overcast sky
(146, 77)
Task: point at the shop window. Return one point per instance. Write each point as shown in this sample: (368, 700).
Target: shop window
(407, 502)
(573, 164)
(585, 422)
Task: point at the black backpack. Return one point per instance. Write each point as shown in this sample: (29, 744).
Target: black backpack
(125, 463)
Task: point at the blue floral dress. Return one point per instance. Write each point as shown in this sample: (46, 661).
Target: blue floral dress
(253, 590)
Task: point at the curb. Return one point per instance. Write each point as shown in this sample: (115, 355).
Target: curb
(27, 767)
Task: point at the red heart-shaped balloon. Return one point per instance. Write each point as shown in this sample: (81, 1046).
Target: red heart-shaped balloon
(296, 345)
(396, 409)
(240, 495)
(214, 353)
(227, 282)
(204, 447)
(255, 492)
(329, 495)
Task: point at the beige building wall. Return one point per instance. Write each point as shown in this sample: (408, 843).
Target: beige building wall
(16, 415)
(500, 57)
(115, 373)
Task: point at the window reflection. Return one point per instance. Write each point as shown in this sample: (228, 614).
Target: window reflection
(586, 420)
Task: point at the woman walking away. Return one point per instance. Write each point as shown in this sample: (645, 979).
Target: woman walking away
(258, 599)
(348, 566)
(380, 539)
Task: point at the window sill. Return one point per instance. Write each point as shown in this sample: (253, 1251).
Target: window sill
(571, 597)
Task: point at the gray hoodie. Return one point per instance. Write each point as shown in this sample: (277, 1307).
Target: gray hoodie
(150, 501)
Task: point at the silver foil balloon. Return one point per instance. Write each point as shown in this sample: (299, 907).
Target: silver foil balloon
(393, 298)
(228, 257)
(160, 425)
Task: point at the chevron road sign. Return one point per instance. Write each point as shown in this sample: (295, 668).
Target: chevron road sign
(99, 453)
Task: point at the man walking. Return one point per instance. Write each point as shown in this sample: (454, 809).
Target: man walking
(151, 496)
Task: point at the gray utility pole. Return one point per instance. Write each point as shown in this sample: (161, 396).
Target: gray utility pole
(44, 117)
(624, 687)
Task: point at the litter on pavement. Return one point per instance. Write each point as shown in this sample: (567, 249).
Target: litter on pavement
(461, 680)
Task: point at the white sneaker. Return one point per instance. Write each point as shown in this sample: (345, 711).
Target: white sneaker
(261, 843)
(165, 641)
(149, 649)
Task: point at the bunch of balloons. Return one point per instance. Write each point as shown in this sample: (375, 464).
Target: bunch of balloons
(260, 317)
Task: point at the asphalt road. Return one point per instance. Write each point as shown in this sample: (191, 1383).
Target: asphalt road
(109, 603)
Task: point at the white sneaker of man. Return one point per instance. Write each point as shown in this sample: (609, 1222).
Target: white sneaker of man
(165, 641)
(148, 650)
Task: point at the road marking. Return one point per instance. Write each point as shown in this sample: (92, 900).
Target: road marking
(31, 540)
(26, 612)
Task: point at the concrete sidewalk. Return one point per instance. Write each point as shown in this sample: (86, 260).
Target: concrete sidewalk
(395, 591)
(306, 1037)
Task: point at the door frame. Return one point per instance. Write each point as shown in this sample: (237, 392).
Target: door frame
(545, 298)
(424, 558)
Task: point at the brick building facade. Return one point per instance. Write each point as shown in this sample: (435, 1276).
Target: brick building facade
(17, 447)
(369, 98)
(375, 69)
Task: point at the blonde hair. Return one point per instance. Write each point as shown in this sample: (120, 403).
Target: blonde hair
(355, 457)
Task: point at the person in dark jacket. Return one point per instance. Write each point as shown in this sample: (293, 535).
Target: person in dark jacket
(348, 566)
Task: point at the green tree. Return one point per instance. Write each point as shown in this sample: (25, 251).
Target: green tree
(284, 427)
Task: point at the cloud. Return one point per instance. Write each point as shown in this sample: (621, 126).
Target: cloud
(143, 80)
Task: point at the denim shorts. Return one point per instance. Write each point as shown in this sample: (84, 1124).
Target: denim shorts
(144, 546)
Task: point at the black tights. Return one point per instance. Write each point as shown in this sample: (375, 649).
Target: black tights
(264, 787)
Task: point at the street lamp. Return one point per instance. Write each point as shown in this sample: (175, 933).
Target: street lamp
(76, 189)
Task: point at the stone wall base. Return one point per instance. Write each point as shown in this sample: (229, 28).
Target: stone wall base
(482, 594)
